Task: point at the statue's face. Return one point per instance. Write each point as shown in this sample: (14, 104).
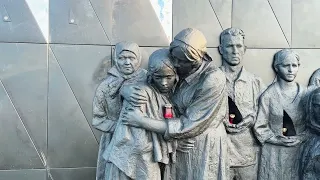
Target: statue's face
(127, 62)
(316, 107)
(164, 79)
(288, 69)
(232, 49)
(181, 62)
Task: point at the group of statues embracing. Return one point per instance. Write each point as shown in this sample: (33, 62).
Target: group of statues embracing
(184, 118)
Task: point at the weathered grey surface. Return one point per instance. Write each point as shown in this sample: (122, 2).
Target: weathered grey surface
(72, 173)
(304, 23)
(68, 130)
(34, 174)
(29, 94)
(279, 152)
(107, 102)
(256, 17)
(135, 151)
(310, 161)
(244, 89)
(75, 22)
(183, 18)
(76, 63)
(18, 24)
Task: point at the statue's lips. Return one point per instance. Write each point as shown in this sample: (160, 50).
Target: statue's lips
(163, 89)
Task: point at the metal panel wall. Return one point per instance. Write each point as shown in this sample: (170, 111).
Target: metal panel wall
(46, 88)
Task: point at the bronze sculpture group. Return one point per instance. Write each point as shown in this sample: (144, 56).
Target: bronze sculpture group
(184, 118)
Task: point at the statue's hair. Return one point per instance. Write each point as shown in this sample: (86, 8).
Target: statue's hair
(232, 32)
(282, 55)
(315, 78)
(157, 60)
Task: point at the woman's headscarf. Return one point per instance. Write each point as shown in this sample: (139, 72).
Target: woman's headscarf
(127, 46)
(312, 123)
(115, 86)
(315, 78)
(193, 44)
(157, 60)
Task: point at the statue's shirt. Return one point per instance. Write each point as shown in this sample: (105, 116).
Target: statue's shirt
(245, 91)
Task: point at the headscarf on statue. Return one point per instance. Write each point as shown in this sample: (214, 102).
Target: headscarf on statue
(120, 77)
(193, 43)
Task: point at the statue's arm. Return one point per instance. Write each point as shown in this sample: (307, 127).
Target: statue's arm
(209, 104)
(99, 113)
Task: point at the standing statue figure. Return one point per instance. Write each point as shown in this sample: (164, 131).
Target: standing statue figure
(243, 90)
(280, 124)
(310, 161)
(137, 153)
(315, 78)
(201, 102)
(107, 102)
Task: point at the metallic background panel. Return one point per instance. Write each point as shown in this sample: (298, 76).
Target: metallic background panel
(48, 78)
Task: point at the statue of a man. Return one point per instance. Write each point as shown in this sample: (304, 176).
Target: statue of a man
(243, 92)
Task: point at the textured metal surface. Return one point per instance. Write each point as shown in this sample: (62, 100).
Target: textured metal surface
(17, 23)
(135, 21)
(305, 24)
(71, 142)
(75, 70)
(17, 150)
(27, 174)
(24, 74)
(75, 22)
(73, 174)
(259, 61)
(216, 57)
(257, 20)
(282, 11)
(84, 67)
(223, 11)
(309, 60)
(186, 15)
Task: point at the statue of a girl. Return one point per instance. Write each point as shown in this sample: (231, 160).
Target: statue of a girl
(137, 153)
(280, 124)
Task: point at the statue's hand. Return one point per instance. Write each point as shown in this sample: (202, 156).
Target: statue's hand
(290, 141)
(284, 141)
(134, 95)
(246, 122)
(132, 117)
(232, 128)
(184, 145)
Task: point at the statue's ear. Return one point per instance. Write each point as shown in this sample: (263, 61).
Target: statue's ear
(220, 49)
(276, 69)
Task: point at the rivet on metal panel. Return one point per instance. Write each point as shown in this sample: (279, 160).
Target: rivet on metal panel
(72, 19)
(4, 12)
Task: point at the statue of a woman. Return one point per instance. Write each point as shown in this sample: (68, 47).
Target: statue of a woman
(280, 124)
(310, 161)
(107, 102)
(137, 153)
(201, 100)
